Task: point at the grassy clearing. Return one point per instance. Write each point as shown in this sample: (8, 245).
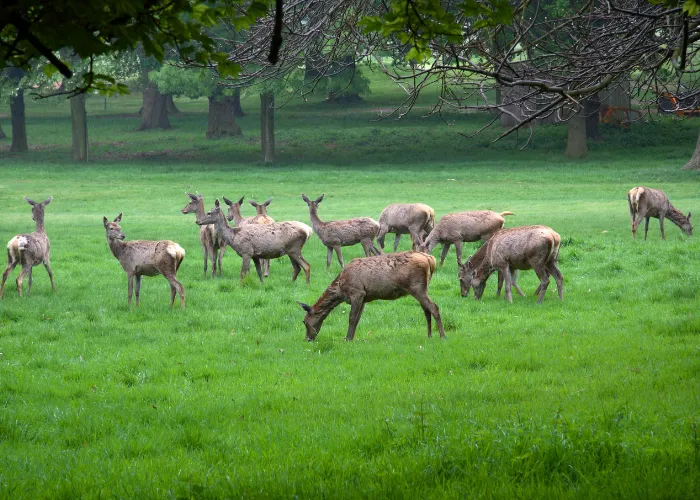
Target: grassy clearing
(594, 397)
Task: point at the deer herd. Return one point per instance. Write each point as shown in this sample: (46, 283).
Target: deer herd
(378, 276)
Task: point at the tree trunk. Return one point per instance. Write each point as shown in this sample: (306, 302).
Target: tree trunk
(154, 114)
(591, 109)
(222, 120)
(576, 146)
(19, 128)
(2, 133)
(79, 127)
(237, 109)
(170, 105)
(267, 126)
(694, 162)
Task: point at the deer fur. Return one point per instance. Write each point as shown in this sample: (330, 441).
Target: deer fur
(415, 219)
(459, 227)
(342, 233)
(646, 202)
(146, 258)
(382, 277)
(29, 250)
(526, 247)
(213, 247)
(260, 217)
(263, 241)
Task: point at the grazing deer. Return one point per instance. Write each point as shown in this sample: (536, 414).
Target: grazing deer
(213, 247)
(383, 277)
(29, 250)
(263, 241)
(645, 203)
(459, 227)
(415, 219)
(526, 247)
(260, 217)
(146, 258)
(342, 233)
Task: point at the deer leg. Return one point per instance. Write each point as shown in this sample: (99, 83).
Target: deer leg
(458, 248)
(646, 227)
(11, 264)
(266, 267)
(137, 288)
(306, 266)
(397, 240)
(367, 247)
(29, 281)
(258, 268)
(221, 256)
(515, 283)
(543, 275)
(375, 250)
(206, 259)
(430, 308)
(508, 280)
(380, 236)
(296, 266)
(445, 249)
(245, 266)
(329, 257)
(214, 257)
(47, 266)
(500, 284)
(20, 279)
(553, 269)
(175, 288)
(357, 306)
(339, 254)
(130, 278)
(635, 223)
(661, 225)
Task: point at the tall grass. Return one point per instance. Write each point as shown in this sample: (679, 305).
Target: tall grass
(593, 397)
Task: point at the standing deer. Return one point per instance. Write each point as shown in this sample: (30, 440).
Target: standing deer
(383, 277)
(459, 227)
(29, 250)
(146, 258)
(645, 203)
(213, 247)
(526, 247)
(342, 233)
(260, 217)
(263, 241)
(415, 219)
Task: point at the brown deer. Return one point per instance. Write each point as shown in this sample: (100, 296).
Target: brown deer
(415, 219)
(263, 241)
(260, 217)
(383, 277)
(146, 258)
(29, 250)
(342, 233)
(526, 247)
(645, 203)
(213, 247)
(459, 227)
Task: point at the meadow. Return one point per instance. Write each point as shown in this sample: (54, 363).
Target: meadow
(593, 397)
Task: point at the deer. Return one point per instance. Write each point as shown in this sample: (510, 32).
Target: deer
(263, 241)
(525, 247)
(415, 219)
(646, 202)
(146, 258)
(213, 246)
(459, 227)
(342, 233)
(380, 277)
(29, 250)
(260, 217)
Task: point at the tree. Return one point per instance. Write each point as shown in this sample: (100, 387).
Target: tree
(35, 29)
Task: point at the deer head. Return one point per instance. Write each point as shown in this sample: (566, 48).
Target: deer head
(191, 207)
(312, 322)
(233, 207)
(469, 278)
(38, 208)
(114, 230)
(687, 226)
(212, 215)
(260, 209)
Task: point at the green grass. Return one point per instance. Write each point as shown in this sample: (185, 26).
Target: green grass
(590, 398)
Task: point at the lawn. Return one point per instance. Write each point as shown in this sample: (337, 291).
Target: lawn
(593, 397)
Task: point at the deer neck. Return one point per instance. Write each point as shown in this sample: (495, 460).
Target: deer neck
(222, 228)
(40, 224)
(237, 217)
(116, 246)
(674, 215)
(200, 209)
(315, 221)
(330, 299)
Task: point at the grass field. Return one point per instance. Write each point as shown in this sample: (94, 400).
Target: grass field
(595, 397)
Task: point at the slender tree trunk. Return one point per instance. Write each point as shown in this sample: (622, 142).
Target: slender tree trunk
(576, 146)
(694, 162)
(2, 133)
(237, 109)
(170, 105)
(155, 113)
(19, 128)
(267, 126)
(591, 109)
(222, 120)
(79, 127)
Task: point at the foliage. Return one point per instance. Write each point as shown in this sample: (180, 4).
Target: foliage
(185, 82)
(32, 29)
(349, 82)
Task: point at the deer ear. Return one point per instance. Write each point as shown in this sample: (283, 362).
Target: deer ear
(303, 197)
(688, 215)
(192, 196)
(240, 202)
(305, 307)
(320, 198)
(217, 204)
(227, 201)
(47, 200)
(270, 200)
(252, 203)
(105, 221)
(119, 218)
(31, 202)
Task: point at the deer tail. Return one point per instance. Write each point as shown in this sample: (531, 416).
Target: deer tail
(506, 213)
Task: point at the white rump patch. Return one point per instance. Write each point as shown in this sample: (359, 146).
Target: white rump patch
(18, 243)
(176, 251)
(304, 228)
